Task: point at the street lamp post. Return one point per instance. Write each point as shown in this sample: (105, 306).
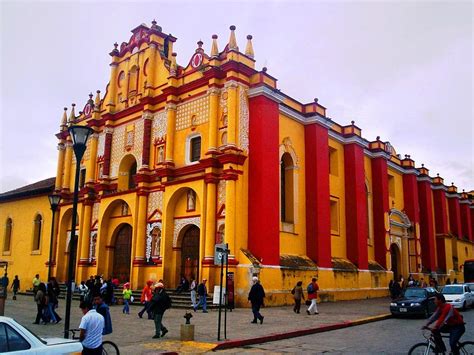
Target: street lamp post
(79, 135)
(54, 200)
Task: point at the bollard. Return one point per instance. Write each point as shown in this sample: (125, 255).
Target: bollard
(187, 330)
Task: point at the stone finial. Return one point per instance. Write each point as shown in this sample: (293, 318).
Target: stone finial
(353, 122)
(214, 49)
(115, 51)
(97, 101)
(199, 48)
(378, 138)
(249, 48)
(264, 69)
(154, 26)
(173, 66)
(232, 41)
(316, 100)
(72, 115)
(422, 165)
(63, 125)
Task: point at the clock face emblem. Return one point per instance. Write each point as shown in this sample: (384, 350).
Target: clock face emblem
(87, 110)
(196, 60)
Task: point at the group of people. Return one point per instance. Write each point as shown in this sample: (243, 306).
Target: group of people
(298, 295)
(97, 285)
(46, 299)
(397, 288)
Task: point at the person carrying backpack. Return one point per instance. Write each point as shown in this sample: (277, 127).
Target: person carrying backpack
(312, 290)
(160, 302)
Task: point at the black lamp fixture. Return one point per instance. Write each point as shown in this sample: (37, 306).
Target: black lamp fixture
(54, 200)
(79, 136)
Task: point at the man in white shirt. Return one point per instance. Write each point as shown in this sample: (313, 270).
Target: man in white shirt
(92, 324)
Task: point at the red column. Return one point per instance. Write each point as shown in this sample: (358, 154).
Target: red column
(356, 205)
(454, 215)
(410, 196)
(107, 152)
(264, 193)
(427, 231)
(146, 142)
(381, 208)
(441, 223)
(471, 208)
(466, 220)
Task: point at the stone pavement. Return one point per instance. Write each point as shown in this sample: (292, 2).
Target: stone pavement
(133, 335)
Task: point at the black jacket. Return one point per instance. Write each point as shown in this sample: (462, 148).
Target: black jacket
(257, 294)
(160, 302)
(202, 291)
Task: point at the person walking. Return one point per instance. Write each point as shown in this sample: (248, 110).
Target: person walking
(127, 295)
(41, 302)
(256, 296)
(103, 309)
(313, 289)
(91, 327)
(52, 302)
(15, 286)
(5, 282)
(145, 299)
(36, 282)
(159, 303)
(298, 295)
(192, 289)
(202, 292)
(83, 289)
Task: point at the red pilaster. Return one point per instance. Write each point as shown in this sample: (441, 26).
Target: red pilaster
(107, 153)
(410, 196)
(264, 216)
(454, 215)
(146, 142)
(356, 205)
(466, 220)
(381, 208)
(427, 231)
(471, 208)
(441, 224)
(318, 219)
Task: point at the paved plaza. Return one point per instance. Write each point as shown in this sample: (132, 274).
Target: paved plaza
(133, 335)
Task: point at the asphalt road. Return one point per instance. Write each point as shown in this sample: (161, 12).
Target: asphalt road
(392, 336)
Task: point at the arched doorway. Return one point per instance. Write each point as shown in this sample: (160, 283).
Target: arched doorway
(122, 254)
(395, 256)
(190, 253)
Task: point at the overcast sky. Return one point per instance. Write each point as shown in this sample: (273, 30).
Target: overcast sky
(402, 70)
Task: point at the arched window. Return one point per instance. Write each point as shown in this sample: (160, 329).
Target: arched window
(127, 172)
(287, 197)
(8, 235)
(133, 80)
(38, 226)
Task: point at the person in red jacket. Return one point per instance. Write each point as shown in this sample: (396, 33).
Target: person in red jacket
(145, 299)
(312, 290)
(448, 320)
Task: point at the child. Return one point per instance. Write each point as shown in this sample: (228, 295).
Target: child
(127, 294)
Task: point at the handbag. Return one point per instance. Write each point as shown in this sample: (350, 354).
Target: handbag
(308, 302)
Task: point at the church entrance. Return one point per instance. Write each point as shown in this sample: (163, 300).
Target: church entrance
(190, 254)
(395, 256)
(122, 254)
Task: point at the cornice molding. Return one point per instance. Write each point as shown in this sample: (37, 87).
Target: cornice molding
(267, 92)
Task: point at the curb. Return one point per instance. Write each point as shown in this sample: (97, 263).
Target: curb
(297, 333)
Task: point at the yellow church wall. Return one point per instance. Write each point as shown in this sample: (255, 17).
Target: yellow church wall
(337, 191)
(465, 251)
(396, 201)
(22, 259)
(368, 181)
(294, 242)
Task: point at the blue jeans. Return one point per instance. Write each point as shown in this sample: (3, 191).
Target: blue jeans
(126, 308)
(455, 333)
(51, 312)
(202, 302)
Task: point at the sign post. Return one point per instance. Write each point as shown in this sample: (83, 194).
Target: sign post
(220, 258)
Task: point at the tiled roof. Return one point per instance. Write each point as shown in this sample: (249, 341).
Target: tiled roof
(37, 188)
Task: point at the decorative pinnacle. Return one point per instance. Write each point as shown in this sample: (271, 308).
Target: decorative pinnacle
(352, 122)
(200, 43)
(115, 45)
(378, 138)
(153, 22)
(249, 48)
(232, 41)
(264, 69)
(422, 165)
(437, 174)
(214, 49)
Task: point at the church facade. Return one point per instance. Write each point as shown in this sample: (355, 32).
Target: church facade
(186, 157)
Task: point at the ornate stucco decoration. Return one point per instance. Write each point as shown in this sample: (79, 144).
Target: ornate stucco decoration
(155, 202)
(182, 222)
(244, 120)
(149, 232)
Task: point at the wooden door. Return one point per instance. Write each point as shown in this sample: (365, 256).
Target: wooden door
(190, 254)
(122, 254)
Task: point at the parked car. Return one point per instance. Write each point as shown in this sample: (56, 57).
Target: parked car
(459, 296)
(416, 300)
(16, 338)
